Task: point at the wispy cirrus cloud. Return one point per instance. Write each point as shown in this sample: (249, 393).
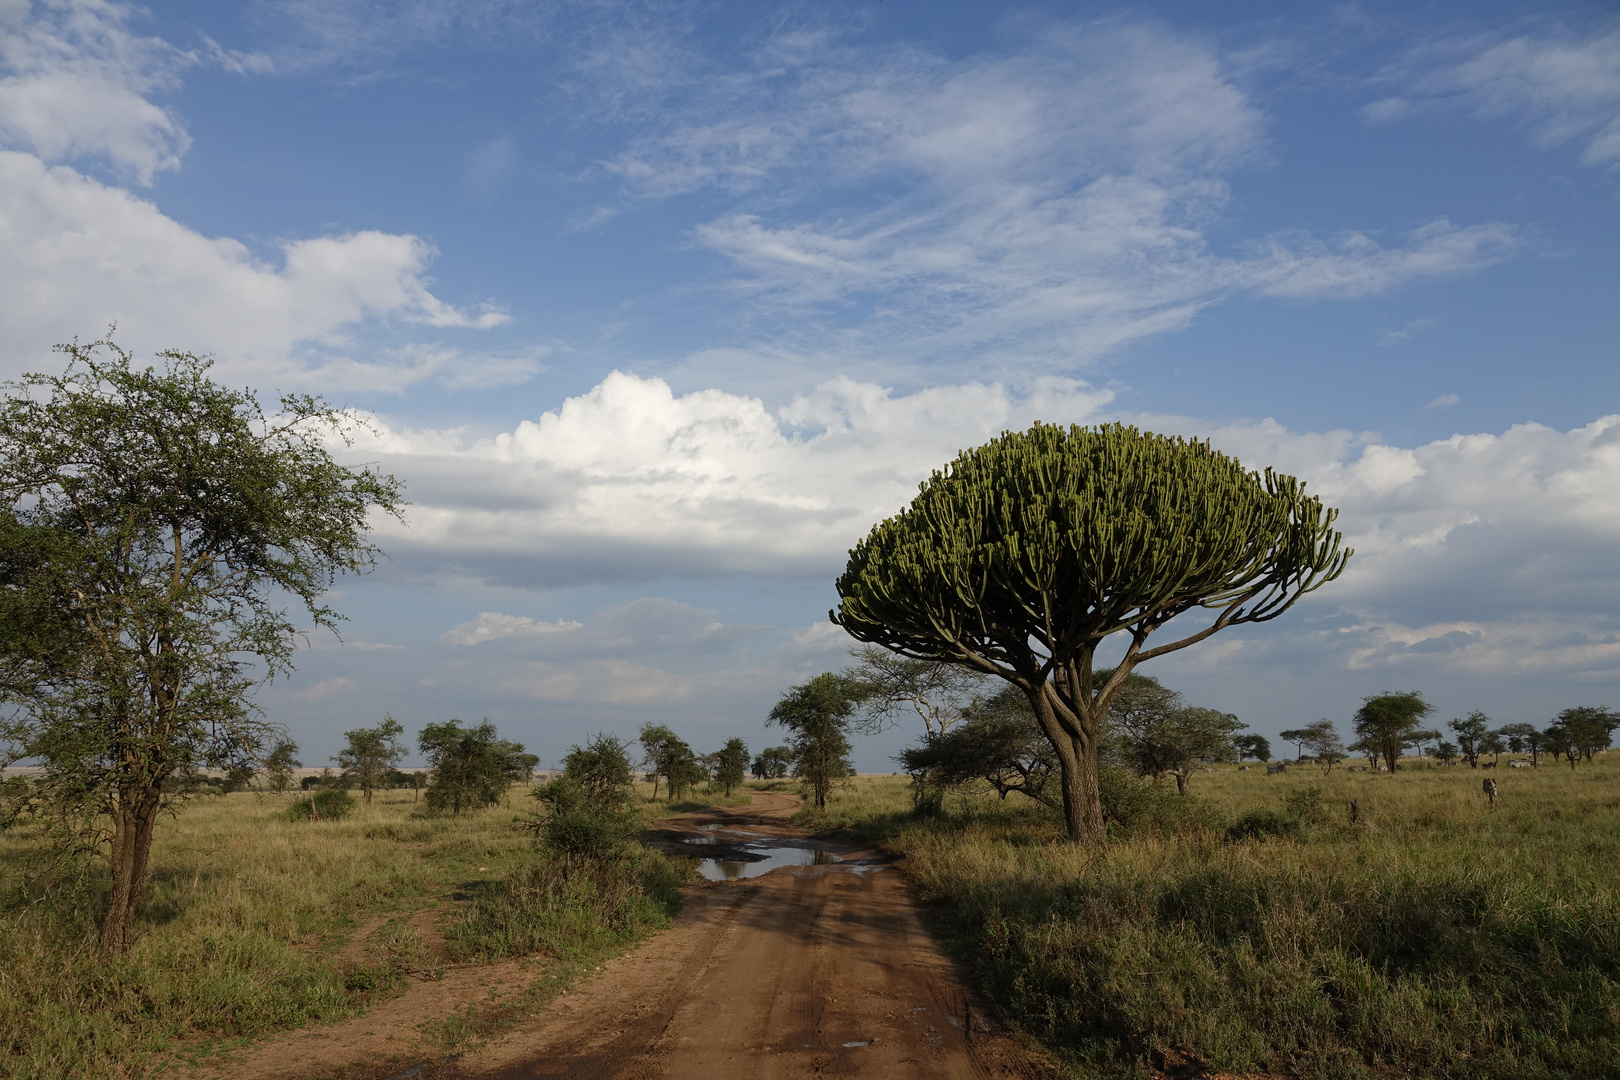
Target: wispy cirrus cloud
(1562, 87)
(1043, 204)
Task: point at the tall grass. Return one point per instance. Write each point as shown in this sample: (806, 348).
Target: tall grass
(1430, 937)
(244, 926)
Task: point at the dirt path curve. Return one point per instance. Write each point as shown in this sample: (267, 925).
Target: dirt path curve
(815, 969)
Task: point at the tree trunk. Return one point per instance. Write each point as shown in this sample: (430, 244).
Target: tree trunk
(1082, 797)
(1183, 777)
(134, 822)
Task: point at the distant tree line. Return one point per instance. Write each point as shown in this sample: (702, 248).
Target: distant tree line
(1389, 724)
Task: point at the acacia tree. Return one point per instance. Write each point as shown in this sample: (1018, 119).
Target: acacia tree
(1472, 735)
(817, 713)
(1024, 555)
(371, 755)
(1326, 746)
(1297, 736)
(1252, 746)
(773, 763)
(157, 527)
(886, 684)
(280, 764)
(1387, 724)
(1581, 732)
(730, 765)
(472, 766)
(997, 743)
(660, 748)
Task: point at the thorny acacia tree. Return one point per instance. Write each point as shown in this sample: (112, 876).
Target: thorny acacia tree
(1388, 723)
(1024, 555)
(817, 713)
(888, 683)
(371, 755)
(156, 526)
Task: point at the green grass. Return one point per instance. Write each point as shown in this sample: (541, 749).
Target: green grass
(243, 927)
(1433, 937)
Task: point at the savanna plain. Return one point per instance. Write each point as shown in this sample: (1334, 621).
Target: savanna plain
(1252, 927)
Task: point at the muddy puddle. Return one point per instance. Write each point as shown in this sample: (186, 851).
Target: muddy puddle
(763, 859)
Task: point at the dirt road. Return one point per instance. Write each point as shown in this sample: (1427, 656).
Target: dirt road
(815, 969)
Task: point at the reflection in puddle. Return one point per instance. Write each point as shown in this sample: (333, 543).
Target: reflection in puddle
(726, 870)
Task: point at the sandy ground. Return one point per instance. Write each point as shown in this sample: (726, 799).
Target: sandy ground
(806, 970)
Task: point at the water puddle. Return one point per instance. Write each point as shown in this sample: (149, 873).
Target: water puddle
(770, 858)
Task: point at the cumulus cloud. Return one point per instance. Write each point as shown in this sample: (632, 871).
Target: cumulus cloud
(78, 83)
(326, 688)
(631, 480)
(77, 255)
(491, 625)
(1561, 88)
(1499, 538)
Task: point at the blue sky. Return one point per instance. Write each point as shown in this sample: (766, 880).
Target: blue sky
(658, 307)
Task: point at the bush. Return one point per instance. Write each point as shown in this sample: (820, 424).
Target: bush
(328, 805)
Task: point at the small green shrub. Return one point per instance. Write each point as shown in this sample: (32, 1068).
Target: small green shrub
(326, 805)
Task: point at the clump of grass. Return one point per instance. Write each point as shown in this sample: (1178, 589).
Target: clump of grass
(1264, 931)
(569, 909)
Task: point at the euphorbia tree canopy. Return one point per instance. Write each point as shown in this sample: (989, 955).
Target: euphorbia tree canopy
(1020, 557)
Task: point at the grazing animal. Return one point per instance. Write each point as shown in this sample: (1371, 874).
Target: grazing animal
(1273, 770)
(1357, 768)
(1521, 765)
(1490, 791)
(1489, 765)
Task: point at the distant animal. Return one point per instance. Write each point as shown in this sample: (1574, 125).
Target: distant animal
(1490, 791)
(1273, 770)
(1521, 764)
(1383, 768)
(1357, 768)
(1489, 765)
(1243, 768)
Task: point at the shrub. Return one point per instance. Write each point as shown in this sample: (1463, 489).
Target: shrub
(327, 805)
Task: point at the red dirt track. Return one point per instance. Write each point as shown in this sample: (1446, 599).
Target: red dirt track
(806, 970)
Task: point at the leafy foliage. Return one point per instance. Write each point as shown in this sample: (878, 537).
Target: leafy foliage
(280, 764)
(996, 744)
(730, 765)
(817, 713)
(472, 767)
(153, 526)
(371, 755)
(1389, 723)
(773, 763)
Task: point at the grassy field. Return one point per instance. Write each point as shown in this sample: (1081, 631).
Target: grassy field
(1254, 928)
(250, 923)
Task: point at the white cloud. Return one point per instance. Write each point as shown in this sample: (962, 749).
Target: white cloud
(77, 255)
(1407, 332)
(1444, 401)
(326, 688)
(631, 480)
(1562, 88)
(491, 625)
(1496, 534)
(78, 83)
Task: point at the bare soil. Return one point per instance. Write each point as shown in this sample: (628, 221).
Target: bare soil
(805, 970)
